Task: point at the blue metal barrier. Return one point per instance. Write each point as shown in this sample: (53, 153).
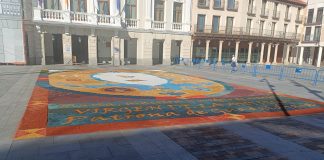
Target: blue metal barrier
(300, 73)
(319, 76)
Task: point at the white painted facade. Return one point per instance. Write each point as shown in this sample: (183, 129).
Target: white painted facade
(114, 30)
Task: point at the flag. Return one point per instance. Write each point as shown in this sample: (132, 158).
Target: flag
(118, 5)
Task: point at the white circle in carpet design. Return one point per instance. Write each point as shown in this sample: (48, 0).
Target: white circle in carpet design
(131, 78)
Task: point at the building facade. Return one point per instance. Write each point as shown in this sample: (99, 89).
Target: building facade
(311, 46)
(254, 31)
(11, 32)
(145, 32)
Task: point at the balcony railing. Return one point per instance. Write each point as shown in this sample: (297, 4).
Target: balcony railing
(299, 19)
(80, 17)
(158, 25)
(177, 26)
(219, 6)
(276, 15)
(241, 31)
(53, 15)
(264, 13)
(107, 19)
(233, 7)
(311, 38)
(251, 10)
(288, 17)
(68, 17)
(11, 9)
(130, 23)
(203, 4)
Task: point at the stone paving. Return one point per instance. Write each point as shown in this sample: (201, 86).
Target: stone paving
(295, 137)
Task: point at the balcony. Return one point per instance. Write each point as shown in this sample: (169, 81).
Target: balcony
(130, 23)
(241, 32)
(276, 15)
(177, 26)
(159, 25)
(288, 17)
(251, 11)
(203, 4)
(264, 13)
(81, 18)
(107, 20)
(219, 6)
(234, 7)
(299, 19)
(53, 15)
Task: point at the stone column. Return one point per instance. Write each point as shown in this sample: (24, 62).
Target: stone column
(237, 45)
(249, 53)
(43, 48)
(115, 42)
(301, 56)
(319, 56)
(167, 51)
(92, 47)
(67, 48)
(220, 50)
(262, 51)
(207, 49)
(269, 52)
(186, 50)
(286, 61)
(275, 55)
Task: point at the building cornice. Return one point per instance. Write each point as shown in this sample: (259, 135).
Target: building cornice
(294, 2)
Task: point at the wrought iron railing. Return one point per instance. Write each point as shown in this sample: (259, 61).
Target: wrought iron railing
(242, 31)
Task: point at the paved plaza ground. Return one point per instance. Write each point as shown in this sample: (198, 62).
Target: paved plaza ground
(156, 112)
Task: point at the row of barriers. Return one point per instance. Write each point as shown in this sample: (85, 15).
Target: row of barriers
(282, 72)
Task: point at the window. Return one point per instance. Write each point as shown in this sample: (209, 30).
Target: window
(79, 5)
(307, 33)
(248, 26)
(159, 10)
(217, 3)
(52, 4)
(203, 3)
(231, 4)
(275, 9)
(285, 30)
(215, 24)
(296, 30)
(131, 9)
(263, 8)
(310, 15)
(201, 23)
(273, 28)
(298, 14)
(261, 28)
(229, 25)
(319, 16)
(287, 12)
(317, 33)
(103, 7)
(177, 12)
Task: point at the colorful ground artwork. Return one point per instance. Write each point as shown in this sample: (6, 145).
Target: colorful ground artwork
(81, 101)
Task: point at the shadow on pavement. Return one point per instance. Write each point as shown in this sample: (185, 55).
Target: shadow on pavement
(280, 103)
(314, 92)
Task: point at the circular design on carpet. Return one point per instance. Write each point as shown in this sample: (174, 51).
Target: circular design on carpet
(138, 83)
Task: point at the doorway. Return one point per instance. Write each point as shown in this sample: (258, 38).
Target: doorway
(157, 55)
(130, 51)
(80, 49)
(175, 52)
(57, 48)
